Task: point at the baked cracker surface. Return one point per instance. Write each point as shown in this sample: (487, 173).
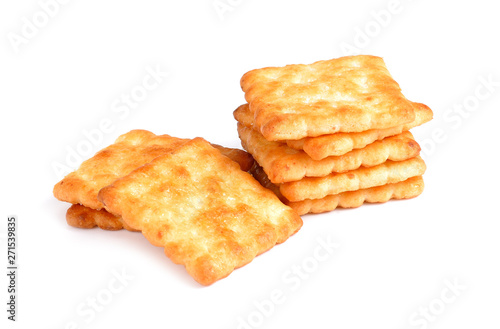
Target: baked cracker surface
(202, 209)
(283, 164)
(347, 94)
(406, 189)
(130, 151)
(340, 143)
(361, 178)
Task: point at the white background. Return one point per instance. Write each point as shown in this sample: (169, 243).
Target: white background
(394, 261)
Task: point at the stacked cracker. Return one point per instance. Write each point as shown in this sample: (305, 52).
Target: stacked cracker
(187, 196)
(332, 134)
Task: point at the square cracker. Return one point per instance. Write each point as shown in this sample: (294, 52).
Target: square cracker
(340, 143)
(386, 173)
(410, 188)
(130, 151)
(407, 189)
(347, 94)
(283, 164)
(84, 217)
(207, 214)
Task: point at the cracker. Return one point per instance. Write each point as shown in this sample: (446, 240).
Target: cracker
(84, 217)
(340, 143)
(207, 214)
(407, 189)
(386, 173)
(283, 164)
(130, 151)
(410, 188)
(347, 94)
(244, 159)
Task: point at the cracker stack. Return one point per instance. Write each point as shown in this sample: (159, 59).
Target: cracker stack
(332, 134)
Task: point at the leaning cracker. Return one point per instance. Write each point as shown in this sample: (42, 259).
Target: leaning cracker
(130, 151)
(347, 94)
(407, 189)
(340, 143)
(283, 164)
(208, 214)
(84, 217)
(386, 173)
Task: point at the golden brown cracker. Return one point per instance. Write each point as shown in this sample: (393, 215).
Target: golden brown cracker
(283, 164)
(407, 189)
(410, 188)
(347, 94)
(340, 143)
(244, 159)
(243, 115)
(130, 151)
(84, 217)
(208, 214)
(386, 173)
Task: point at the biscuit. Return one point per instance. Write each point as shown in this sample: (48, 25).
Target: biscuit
(130, 151)
(202, 209)
(84, 217)
(283, 164)
(410, 188)
(244, 159)
(407, 189)
(347, 94)
(340, 143)
(386, 173)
